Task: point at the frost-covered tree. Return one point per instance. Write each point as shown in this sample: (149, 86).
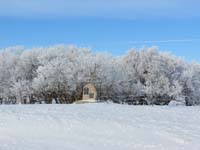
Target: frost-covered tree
(58, 73)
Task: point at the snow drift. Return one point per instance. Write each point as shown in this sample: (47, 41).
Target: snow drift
(99, 127)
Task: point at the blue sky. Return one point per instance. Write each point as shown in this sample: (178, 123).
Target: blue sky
(107, 25)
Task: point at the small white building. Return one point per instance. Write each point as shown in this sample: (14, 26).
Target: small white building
(89, 92)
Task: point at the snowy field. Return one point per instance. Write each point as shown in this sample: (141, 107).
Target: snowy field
(99, 127)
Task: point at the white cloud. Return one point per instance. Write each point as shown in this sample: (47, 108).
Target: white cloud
(164, 41)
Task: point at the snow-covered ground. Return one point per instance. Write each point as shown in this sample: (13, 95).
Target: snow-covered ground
(99, 127)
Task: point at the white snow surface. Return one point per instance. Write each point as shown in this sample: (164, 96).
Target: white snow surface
(99, 127)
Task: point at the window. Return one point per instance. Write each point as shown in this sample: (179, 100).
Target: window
(91, 95)
(86, 91)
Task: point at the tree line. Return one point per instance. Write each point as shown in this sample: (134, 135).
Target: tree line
(58, 73)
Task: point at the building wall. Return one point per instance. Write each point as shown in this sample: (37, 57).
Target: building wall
(92, 90)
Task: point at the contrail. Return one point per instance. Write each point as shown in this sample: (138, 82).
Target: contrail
(164, 41)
